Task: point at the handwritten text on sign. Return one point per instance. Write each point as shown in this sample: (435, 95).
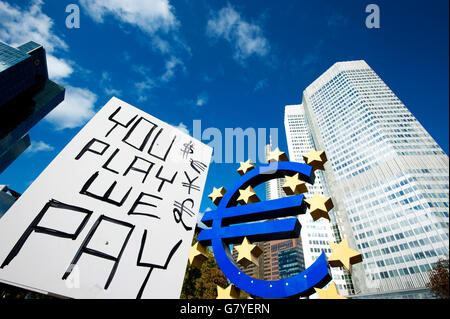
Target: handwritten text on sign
(113, 215)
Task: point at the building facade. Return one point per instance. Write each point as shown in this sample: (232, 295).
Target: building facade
(286, 258)
(7, 198)
(387, 176)
(315, 234)
(26, 96)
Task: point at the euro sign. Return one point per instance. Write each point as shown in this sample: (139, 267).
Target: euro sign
(258, 222)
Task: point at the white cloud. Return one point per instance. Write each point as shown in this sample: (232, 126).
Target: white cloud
(18, 26)
(182, 127)
(261, 84)
(171, 66)
(142, 98)
(76, 109)
(157, 19)
(143, 88)
(39, 147)
(202, 99)
(162, 45)
(207, 79)
(105, 82)
(246, 38)
(146, 84)
(58, 68)
(149, 15)
(113, 92)
(200, 216)
(150, 81)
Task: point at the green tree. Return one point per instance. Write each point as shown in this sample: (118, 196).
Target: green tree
(211, 277)
(202, 283)
(189, 290)
(439, 278)
(10, 292)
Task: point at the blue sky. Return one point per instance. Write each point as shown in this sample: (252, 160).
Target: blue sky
(229, 64)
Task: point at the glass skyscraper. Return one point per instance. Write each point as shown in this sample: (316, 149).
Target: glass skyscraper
(26, 96)
(287, 258)
(386, 175)
(315, 234)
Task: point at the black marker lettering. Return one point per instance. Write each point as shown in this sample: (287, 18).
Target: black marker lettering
(163, 180)
(85, 250)
(111, 118)
(105, 197)
(34, 226)
(198, 166)
(140, 202)
(90, 148)
(180, 209)
(135, 168)
(152, 266)
(142, 125)
(105, 166)
(190, 184)
(150, 151)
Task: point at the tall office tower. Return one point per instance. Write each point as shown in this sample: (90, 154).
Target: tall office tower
(274, 188)
(267, 269)
(273, 191)
(387, 176)
(287, 258)
(26, 96)
(315, 234)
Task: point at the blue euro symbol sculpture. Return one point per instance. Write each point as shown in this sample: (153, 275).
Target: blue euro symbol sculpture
(230, 223)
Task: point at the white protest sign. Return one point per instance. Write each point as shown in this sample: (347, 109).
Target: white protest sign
(113, 215)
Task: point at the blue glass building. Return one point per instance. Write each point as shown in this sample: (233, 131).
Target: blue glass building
(286, 258)
(26, 96)
(290, 262)
(7, 199)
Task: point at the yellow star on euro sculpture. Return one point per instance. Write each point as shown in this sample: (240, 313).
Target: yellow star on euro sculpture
(231, 292)
(248, 253)
(316, 159)
(277, 156)
(343, 256)
(247, 196)
(294, 185)
(330, 293)
(197, 255)
(217, 194)
(319, 206)
(245, 167)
